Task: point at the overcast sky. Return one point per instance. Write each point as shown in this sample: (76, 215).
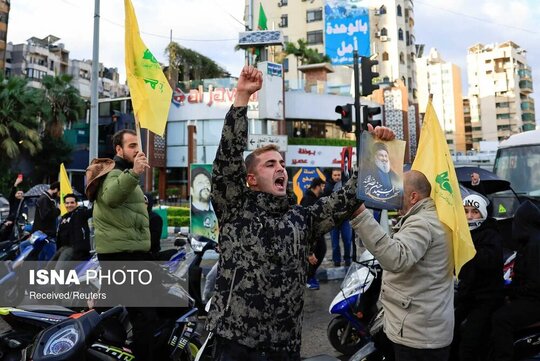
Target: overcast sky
(211, 27)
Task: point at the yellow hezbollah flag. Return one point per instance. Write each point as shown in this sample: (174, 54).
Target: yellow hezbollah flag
(149, 89)
(65, 188)
(434, 161)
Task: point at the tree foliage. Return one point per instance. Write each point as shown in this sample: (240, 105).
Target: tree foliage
(192, 65)
(47, 161)
(18, 121)
(304, 54)
(62, 104)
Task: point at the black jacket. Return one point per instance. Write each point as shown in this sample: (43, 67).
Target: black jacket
(46, 214)
(309, 199)
(73, 230)
(14, 205)
(481, 279)
(526, 233)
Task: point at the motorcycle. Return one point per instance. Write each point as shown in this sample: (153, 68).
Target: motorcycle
(526, 341)
(200, 245)
(355, 305)
(176, 337)
(11, 291)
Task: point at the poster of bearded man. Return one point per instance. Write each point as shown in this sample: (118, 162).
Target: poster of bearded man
(380, 178)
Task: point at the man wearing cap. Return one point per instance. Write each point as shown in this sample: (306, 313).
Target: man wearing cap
(480, 287)
(318, 245)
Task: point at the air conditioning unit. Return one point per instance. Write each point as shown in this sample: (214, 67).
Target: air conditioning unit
(279, 4)
(384, 38)
(378, 34)
(377, 12)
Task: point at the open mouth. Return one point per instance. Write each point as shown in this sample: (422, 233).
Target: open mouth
(280, 183)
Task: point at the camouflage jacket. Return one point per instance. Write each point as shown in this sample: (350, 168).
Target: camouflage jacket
(264, 242)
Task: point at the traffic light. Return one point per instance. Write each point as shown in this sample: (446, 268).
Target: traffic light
(346, 120)
(368, 75)
(368, 113)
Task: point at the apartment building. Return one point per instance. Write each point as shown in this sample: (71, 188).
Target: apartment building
(500, 87)
(442, 80)
(46, 56)
(4, 17)
(388, 32)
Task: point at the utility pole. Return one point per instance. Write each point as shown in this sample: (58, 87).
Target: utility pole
(358, 130)
(94, 106)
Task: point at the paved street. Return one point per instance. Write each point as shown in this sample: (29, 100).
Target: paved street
(316, 319)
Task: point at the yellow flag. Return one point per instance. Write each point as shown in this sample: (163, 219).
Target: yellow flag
(65, 188)
(149, 89)
(434, 161)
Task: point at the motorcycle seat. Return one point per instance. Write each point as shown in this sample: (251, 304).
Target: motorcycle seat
(49, 309)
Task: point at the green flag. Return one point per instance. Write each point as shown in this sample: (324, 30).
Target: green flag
(262, 19)
(261, 26)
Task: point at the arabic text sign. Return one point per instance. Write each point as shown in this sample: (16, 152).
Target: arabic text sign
(346, 29)
(260, 140)
(315, 156)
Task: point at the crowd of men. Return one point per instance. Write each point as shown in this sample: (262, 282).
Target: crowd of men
(267, 243)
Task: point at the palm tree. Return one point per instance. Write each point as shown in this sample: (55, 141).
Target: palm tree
(192, 65)
(62, 104)
(18, 121)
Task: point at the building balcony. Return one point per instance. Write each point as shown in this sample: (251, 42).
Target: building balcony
(525, 74)
(38, 50)
(527, 106)
(526, 86)
(527, 117)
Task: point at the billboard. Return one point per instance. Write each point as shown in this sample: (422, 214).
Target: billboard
(346, 29)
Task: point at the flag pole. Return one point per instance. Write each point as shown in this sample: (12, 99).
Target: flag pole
(138, 131)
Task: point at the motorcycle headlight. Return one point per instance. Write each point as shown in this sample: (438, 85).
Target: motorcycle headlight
(62, 341)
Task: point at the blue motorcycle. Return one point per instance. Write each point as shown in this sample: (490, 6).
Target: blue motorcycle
(355, 305)
(12, 291)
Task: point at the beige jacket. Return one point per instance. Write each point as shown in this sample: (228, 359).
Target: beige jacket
(417, 285)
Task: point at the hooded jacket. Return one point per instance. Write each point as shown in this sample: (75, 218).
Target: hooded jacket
(46, 215)
(120, 214)
(264, 243)
(526, 233)
(481, 279)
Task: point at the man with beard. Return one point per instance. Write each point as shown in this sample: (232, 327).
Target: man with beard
(203, 218)
(121, 226)
(381, 171)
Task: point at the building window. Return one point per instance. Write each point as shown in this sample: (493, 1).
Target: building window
(283, 3)
(503, 116)
(384, 32)
(400, 34)
(381, 10)
(284, 21)
(399, 10)
(402, 60)
(314, 37)
(385, 56)
(407, 38)
(314, 15)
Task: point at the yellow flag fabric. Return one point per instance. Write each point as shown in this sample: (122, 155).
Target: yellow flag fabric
(65, 188)
(434, 161)
(149, 89)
